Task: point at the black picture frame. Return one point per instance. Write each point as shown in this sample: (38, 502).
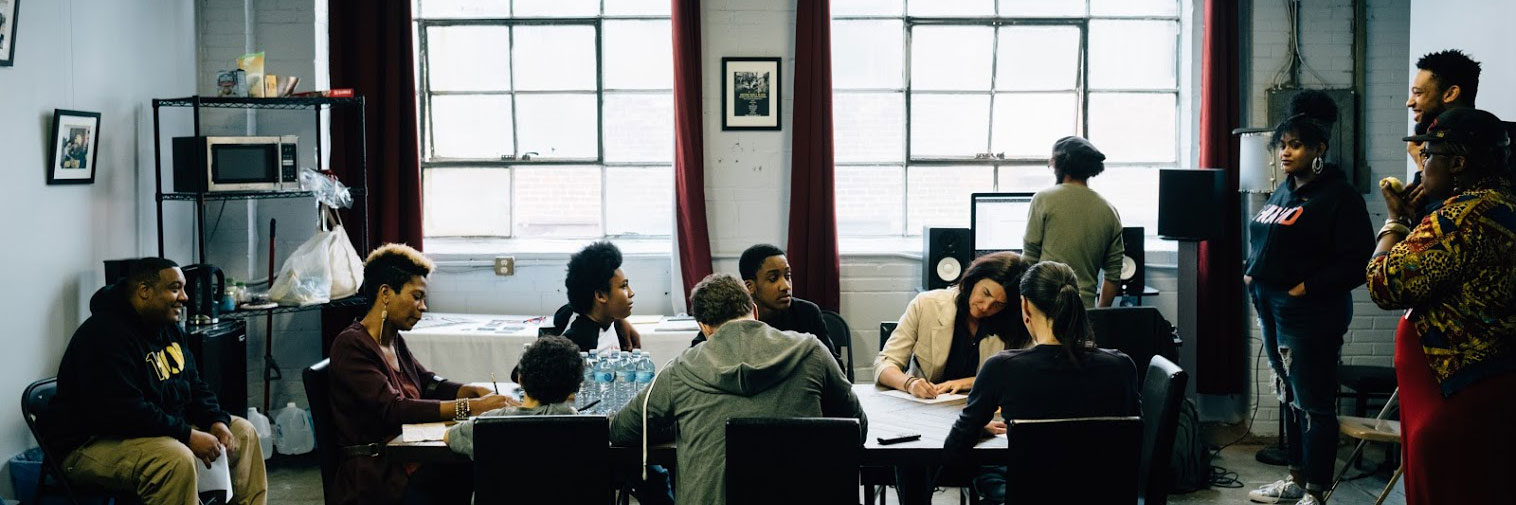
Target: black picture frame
(8, 11)
(751, 93)
(75, 152)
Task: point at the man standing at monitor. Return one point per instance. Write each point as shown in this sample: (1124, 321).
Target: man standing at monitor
(1072, 224)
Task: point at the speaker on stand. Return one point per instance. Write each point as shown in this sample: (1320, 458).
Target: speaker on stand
(945, 254)
(1133, 272)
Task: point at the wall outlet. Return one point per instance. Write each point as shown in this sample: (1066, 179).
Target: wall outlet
(505, 265)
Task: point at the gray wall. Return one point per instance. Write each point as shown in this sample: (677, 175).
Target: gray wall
(104, 56)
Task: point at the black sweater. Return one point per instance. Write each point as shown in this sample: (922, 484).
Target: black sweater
(123, 378)
(802, 317)
(1041, 383)
(1319, 234)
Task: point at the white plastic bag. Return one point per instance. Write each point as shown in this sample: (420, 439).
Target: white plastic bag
(323, 268)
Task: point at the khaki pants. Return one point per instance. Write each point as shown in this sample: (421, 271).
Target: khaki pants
(163, 471)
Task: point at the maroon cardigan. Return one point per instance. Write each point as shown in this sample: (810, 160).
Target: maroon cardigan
(368, 407)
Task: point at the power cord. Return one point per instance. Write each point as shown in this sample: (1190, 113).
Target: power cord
(1220, 476)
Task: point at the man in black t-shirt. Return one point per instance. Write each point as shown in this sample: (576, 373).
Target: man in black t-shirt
(766, 272)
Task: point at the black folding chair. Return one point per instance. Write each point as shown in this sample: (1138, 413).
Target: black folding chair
(1162, 394)
(36, 403)
(1079, 460)
(842, 338)
(542, 459)
(818, 456)
(317, 380)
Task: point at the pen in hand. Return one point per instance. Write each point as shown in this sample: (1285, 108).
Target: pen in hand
(494, 383)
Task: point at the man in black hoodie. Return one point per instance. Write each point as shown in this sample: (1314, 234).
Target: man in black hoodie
(131, 413)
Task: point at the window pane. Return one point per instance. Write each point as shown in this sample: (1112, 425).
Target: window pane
(639, 127)
(557, 8)
(641, 200)
(637, 8)
(871, 54)
(939, 196)
(1133, 127)
(471, 126)
(1026, 124)
(467, 202)
(468, 58)
(1038, 8)
(952, 8)
(465, 8)
(1134, 7)
(558, 201)
(951, 57)
(865, 8)
(1038, 58)
(1131, 190)
(638, 55)
(869, 200)
(1132, 54)
(557, 126)
(949, 125)
(555, 57)
(869, 126)
(1025, 178)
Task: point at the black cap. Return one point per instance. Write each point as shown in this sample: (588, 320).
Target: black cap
(1076, 148)
(1463, 125)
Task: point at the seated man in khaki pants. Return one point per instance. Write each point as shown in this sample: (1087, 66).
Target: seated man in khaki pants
(131, 413)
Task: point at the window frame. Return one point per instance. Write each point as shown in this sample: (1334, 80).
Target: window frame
(509, 163)
(1081, 91)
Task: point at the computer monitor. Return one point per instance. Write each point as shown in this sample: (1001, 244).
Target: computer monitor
(999, 221)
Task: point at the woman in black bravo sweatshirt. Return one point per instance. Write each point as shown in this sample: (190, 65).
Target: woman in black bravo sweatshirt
(1307, 248)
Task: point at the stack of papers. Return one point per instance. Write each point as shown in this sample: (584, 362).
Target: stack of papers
(948, 398)
(425, 432)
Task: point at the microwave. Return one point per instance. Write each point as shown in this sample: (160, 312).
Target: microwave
(241, 163)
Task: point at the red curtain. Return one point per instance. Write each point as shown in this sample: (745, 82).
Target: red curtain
(371, 53)
(694, 241)
(1222, 366)
(813, 211)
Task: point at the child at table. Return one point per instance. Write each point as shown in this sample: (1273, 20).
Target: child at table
(550, 374)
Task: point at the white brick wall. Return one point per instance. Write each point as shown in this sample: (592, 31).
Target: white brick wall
(1326, 42)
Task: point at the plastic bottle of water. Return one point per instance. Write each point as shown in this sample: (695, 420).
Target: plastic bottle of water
(626, 371)
(605, 378)
(587, 383)
(645, 370)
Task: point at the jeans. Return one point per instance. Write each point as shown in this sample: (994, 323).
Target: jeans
(1303, 339)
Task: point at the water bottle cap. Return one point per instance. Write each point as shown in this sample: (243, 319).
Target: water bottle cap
(290, 405)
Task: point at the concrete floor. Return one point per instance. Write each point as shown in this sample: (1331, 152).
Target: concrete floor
(297, 481)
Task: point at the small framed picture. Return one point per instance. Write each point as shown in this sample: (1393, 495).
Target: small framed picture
(8, 11)
(76, 145)
(750, 94)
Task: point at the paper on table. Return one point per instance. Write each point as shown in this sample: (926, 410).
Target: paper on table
(424, 432)
(942, 398)
(217, 478)
(645, 319)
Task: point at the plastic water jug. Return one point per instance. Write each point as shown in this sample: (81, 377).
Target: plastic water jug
(293, 433)
(265, 431)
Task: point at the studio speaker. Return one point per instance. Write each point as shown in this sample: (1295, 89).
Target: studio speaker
(945, 255)
(1132, 272)
(1191, 203)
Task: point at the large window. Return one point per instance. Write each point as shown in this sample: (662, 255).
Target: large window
(937, 99)
(546, 118)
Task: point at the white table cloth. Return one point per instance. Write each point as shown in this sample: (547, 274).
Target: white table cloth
(469, 347)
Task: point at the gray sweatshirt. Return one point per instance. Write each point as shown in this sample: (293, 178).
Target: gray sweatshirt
(746, 369)
(460, 437)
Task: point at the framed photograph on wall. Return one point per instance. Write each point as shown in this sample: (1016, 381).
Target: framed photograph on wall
(750, 94)
(76, 146)
(8, 10)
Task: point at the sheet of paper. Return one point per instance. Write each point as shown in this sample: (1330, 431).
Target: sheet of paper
(942, 398)
(424, 432)
(645, 319)
(217, 478)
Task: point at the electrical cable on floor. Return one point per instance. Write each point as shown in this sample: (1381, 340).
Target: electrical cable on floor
(1220, 476)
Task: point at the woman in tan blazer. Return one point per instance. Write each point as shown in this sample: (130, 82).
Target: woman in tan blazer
(946, 334)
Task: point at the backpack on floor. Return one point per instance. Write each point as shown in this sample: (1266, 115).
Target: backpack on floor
(1191, 464)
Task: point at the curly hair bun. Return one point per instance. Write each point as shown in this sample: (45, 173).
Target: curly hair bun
(1316, 105)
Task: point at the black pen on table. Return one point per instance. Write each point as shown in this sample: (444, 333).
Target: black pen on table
(587, 406)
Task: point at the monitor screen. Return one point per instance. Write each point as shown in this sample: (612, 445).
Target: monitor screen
(244, 163)
(999, 221)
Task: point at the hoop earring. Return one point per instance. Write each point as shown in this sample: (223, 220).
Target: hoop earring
(1317, 166)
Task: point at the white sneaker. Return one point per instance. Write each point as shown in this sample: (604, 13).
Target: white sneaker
(1280, 491)
(1308, 500)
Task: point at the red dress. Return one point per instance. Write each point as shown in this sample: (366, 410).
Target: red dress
(1460, 449)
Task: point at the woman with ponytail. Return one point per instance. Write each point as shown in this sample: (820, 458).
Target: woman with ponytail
(1062, 376)
(1307, 248)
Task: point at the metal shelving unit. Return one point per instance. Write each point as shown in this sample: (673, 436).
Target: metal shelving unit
(351, 301)
(357, 178)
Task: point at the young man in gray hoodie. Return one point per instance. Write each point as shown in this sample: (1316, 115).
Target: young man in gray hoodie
(745, 369)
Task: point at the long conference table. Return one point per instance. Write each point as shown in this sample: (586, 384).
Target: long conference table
(887, 416)
(471, 347)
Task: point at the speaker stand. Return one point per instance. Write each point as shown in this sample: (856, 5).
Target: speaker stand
(1275, 454)
(1187, 293)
